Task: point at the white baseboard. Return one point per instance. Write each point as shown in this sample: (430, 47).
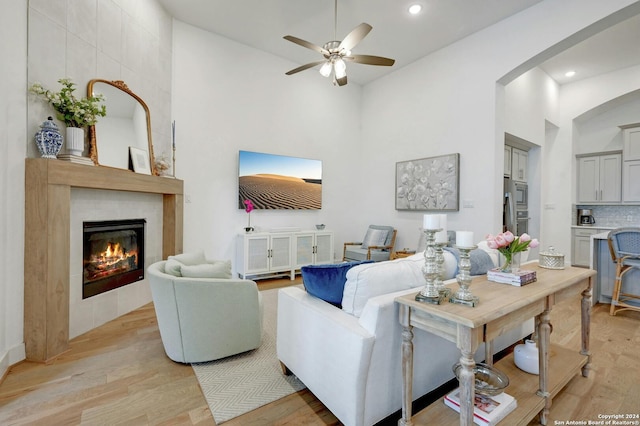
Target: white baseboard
(12, 356)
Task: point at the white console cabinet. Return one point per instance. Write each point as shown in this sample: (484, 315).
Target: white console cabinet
(313, 248)
(267, 254)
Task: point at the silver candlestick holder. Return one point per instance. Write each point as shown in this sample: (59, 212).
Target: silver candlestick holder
(464, 296)
(439, 282)
(430, 270)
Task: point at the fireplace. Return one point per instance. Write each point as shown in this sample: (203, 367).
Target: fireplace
(113, 255)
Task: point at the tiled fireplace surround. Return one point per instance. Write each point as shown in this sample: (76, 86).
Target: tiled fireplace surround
(59, 196)
(97, 205)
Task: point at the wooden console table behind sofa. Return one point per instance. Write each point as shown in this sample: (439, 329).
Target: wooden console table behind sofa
(501, 307)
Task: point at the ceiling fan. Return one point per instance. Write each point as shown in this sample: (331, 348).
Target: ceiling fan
(337, 52)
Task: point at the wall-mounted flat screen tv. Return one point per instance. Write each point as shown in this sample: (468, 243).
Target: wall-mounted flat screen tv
(279, 182)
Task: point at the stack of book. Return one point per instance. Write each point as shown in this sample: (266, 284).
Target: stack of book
(76, 159)
(487, 410)
(520, 278)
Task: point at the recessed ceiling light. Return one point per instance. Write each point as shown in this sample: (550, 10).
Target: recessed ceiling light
(415, 9)
(569, 73)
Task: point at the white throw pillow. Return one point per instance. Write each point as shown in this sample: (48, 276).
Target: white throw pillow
(172, 267)
(194, 258)
(207, 270)
(375, 279)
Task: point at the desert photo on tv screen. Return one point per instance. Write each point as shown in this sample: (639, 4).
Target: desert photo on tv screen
(279, 182)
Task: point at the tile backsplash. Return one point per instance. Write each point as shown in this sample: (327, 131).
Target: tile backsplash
(613, 216)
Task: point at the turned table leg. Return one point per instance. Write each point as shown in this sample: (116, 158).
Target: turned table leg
(407, 366)
(544, 330)
(586, 328)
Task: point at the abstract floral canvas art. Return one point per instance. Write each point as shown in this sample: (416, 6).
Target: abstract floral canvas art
(428, 183)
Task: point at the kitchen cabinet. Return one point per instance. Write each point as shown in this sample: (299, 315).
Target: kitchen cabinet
(266, 254)
(507, 160)
(631, 165)
(519, 164)
(631, 181)
(631, 143)
(582, 246)
(600, 178)
(313, 248)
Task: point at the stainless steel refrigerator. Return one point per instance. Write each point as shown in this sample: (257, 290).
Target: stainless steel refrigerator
(515, 213)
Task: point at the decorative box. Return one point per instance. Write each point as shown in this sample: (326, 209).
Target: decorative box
(551, 259)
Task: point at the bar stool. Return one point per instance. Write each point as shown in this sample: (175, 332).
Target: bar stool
(624, 246)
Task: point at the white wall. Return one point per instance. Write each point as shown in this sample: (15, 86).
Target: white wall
(598, 130)
(449, 102)
(229, 97)
(124, 40)
(127, 40)
(13, 110)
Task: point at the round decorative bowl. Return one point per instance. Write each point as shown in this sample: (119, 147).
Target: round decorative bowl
(320, 227)
(489, 380)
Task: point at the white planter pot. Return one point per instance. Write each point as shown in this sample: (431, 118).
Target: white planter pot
(75, 140)
(525, 357)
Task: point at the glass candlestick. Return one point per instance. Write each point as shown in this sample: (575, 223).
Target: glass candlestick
(430, 270)
(463, 296)
(439, 282)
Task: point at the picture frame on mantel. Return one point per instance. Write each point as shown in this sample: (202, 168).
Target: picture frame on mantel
(429, 184)
(140, 160)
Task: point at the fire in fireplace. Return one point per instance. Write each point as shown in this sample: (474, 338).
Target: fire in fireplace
(113, 255)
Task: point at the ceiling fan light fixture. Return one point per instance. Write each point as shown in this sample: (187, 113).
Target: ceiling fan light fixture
(340, 68)
(325, 69)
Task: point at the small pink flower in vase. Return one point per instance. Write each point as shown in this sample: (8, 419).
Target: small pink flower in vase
(509, 244)
(248, 207)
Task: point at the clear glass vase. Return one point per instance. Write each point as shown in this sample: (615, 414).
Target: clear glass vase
(511, 263)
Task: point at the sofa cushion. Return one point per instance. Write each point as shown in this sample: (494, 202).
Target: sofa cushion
(326, 282)
(217, 269)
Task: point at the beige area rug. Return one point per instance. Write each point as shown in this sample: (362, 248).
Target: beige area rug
(241, 383)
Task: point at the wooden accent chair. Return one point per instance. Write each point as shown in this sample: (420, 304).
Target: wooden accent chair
(624, 246)
(377, 245)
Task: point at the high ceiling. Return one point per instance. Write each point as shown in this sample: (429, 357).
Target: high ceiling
(396, 34)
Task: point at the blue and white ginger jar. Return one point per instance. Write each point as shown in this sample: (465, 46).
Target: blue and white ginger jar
(49, 139)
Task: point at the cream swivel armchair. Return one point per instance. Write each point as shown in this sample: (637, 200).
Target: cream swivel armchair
(377, 245)
(624, 245)
(204, 319)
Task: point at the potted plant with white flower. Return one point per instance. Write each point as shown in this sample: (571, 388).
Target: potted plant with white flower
(76, 113)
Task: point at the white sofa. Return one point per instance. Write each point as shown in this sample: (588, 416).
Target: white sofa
(350, 358)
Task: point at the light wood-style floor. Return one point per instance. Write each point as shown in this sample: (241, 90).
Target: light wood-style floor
(119, 374)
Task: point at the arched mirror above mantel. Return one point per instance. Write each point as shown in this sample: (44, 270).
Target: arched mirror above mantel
(127, 124)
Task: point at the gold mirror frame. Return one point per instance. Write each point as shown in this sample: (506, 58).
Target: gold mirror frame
(93, 137)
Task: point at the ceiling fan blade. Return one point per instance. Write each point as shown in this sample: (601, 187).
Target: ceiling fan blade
(355, 36)
(370, 60)
(306, 44)
(304, 67)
